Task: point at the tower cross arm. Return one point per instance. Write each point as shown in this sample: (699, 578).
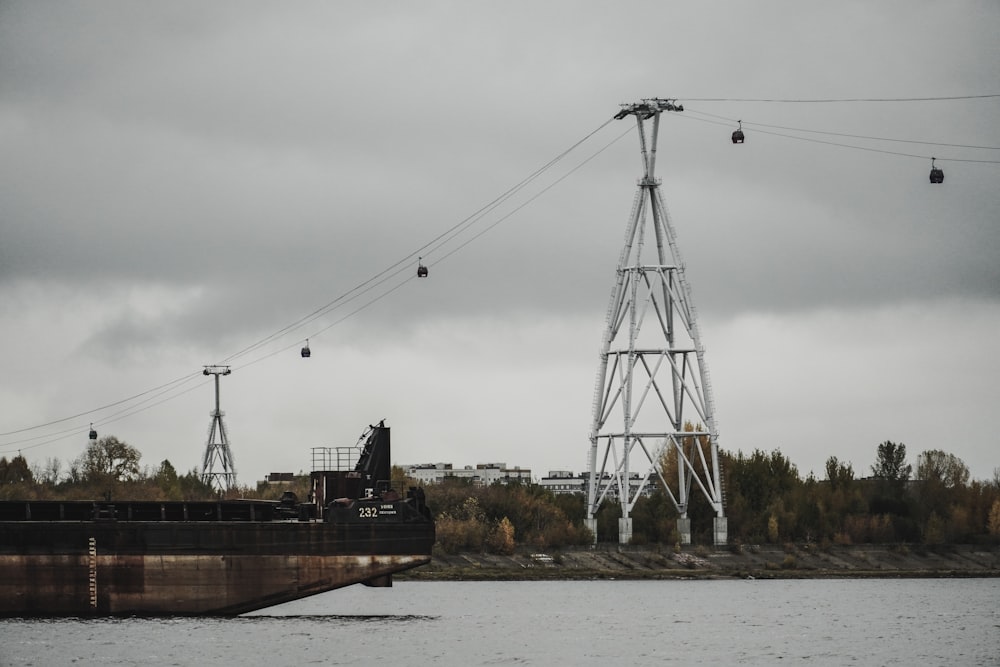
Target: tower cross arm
(648, 107)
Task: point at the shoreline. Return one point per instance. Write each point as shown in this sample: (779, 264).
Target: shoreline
(610, 562)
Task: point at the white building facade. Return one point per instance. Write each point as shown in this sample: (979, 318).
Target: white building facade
(483, 474)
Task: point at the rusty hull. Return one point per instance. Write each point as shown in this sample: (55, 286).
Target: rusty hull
(208, 568)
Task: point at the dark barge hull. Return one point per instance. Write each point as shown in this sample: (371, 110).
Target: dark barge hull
(199, 567)
(211, 558)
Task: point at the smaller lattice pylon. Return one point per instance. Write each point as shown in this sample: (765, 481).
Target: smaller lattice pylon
(218, 469)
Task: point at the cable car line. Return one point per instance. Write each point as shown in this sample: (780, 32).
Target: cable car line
(440, 240)
(852, 136)
(543, 191)
(461, 227)
(842, 145)
(118, 416)
(465, 243)
(103, 407)
(841, 99)
(431, 246)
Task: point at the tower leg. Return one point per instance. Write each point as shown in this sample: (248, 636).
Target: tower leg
(591, 525)
(625, 531)
(684, 531)
(721, 525)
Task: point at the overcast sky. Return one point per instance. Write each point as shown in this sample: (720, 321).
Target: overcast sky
(179, 181)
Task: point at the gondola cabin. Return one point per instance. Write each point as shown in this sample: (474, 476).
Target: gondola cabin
(306, 352)
(421, 269)
(937, 174)
(738, 134)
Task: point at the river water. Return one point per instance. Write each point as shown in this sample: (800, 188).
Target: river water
(810, 622)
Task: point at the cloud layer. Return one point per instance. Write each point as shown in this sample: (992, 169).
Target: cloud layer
(181, 181)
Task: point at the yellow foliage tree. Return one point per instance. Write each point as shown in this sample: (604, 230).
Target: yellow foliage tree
(772, 529)
(993, 524)
(501, 539)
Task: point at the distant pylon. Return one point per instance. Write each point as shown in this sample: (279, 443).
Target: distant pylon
(653, 398)
(217, 453)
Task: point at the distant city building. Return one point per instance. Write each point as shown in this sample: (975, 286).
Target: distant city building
(483, 474)
(563, 481)
(280, 478)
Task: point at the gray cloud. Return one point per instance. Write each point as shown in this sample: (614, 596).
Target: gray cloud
(182, 180)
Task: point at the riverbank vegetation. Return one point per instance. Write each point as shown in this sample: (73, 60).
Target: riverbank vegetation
(767, 501)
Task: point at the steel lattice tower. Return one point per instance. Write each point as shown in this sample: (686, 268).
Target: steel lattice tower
(653, 399)
(218, 452)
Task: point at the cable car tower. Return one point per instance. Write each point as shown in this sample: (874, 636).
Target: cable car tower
(653, 399)
(217, 452)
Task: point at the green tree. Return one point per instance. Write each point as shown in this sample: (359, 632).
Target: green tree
(942, 485)
(759, 486)
(109, 460)
(15, 471)
(890, 464)
(16, 478)
(840, 475)
(166, 481)
(891, 473)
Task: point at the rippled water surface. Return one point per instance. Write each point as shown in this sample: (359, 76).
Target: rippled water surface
(821, 622)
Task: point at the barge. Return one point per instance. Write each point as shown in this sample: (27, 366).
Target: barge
(104, 558)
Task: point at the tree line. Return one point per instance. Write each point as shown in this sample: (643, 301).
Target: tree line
(766, 500)
(111, 469)
(935, 502)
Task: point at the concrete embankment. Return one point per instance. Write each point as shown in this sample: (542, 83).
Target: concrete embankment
(759, 562)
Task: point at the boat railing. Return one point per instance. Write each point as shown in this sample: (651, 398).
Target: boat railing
(334, 458)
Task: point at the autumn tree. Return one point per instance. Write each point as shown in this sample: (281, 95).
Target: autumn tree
(501, 538)
(462, 527)
(993, 521)
(660, 522)
(942, 468)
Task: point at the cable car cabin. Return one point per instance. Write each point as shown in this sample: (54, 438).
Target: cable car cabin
(738, 134)
(93, 433)
(937, 175)
(306, 352)
(421, 269)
